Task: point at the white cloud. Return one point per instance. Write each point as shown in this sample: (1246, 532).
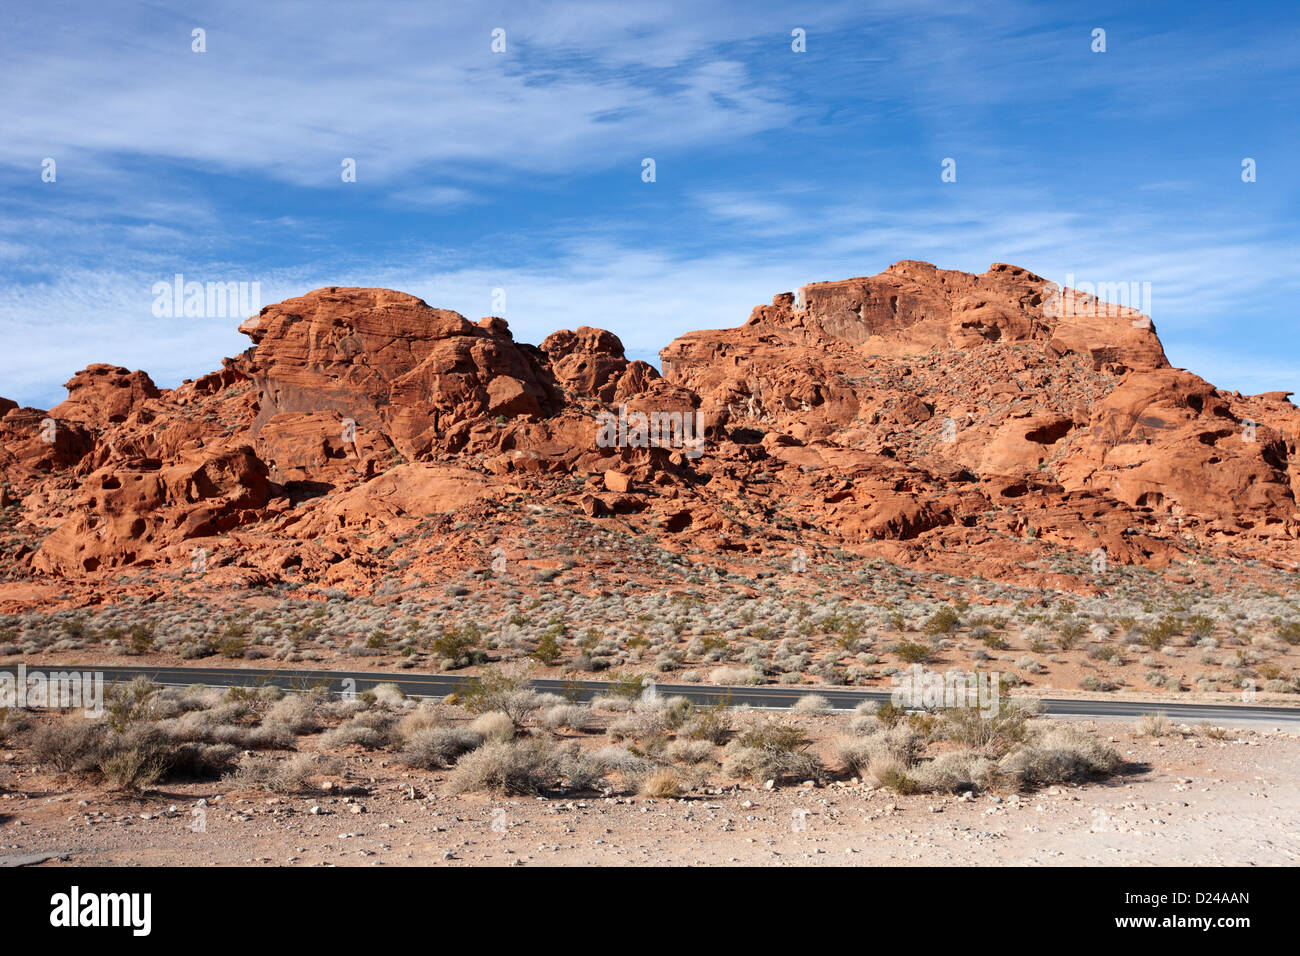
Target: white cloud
(401, 89)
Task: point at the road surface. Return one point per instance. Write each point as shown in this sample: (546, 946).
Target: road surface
(769, 697)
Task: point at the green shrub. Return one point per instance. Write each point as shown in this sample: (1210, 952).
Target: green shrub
(943, 621)
(1069, 633)
(1162, 632)
(456, 643)
(914, 652)
(1288, 631)
(890, 713)
(548, 649)
(628, 685)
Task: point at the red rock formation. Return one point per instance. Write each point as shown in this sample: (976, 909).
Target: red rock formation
(104, 394)
(962, 423)
(422, 378)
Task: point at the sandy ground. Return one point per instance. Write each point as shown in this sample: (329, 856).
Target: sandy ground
(1185, 799)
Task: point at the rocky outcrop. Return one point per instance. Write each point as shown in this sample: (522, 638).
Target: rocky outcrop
(124, 514)
(422, 378)
(104, 394)
(967, 424)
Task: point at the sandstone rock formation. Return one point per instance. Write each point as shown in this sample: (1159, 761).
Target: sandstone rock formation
(965, 423)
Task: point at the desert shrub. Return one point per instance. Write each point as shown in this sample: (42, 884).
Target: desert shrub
(506, 690)
(954, 772)
(1157, 635)
(204, 724)
(690, 751)
(628, 685)
(571, 716)
(1069, 633)
(141, 638)
(611, 702)
(265, 737)
(775, 736)
(1059, 754)
(632, 768)
(891, 773)
(1269, 670)
(662, 783)
(548, 649)
(914, 652)
(1152, 725)
(145, 754)
(494, 726)
(232, 645)
(1288, 631)
(520, 767)
(711, 723)
(992, 732)
(128, 703)
(627, 728)
(70, 745)
(811, 704)
(455, 644)
(133, 766)
(371, 730)
(438, 746)
(580, 770)
(899, 742)
(290, 775)
(771, 752)
(728, 675)
(296, 713)
(651, 717)
(387, 694)
(424, 717)
(201, 760)
(673, 711)
(889, 713)
(943, 621)
(12, 721)
(1094, 683)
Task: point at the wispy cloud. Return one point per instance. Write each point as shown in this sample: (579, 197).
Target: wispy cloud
(522, 170)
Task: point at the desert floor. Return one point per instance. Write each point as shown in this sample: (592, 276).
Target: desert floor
(1185, 798)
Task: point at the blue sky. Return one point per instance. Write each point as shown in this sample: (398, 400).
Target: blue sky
(522, 170)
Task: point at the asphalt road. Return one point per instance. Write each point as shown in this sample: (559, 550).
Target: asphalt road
(840, 698)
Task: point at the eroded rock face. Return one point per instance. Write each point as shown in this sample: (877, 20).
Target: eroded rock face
(968, 424)
(808, 362)
(123, 514)
(104, 394)
(419, 376)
